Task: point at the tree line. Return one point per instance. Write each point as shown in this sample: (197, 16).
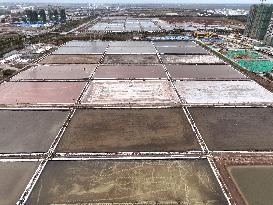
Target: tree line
(52, 15)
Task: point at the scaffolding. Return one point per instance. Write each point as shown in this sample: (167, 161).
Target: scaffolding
(250, 20)
(258, 21)
(268, 39)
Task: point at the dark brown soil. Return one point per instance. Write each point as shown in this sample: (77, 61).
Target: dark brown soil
(126, 130)
(71, 59)
(130, 59)
(235, 128)
(203, 72)
(130, 71)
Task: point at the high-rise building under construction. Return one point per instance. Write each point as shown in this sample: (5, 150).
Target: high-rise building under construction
(268, 39)
(258, 21)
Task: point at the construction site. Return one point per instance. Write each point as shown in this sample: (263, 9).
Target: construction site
(249, 59)
(134, 122)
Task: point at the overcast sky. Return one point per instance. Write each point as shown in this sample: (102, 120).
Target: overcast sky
(143, 1)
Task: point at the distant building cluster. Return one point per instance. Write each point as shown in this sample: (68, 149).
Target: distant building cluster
(260, 23)
(42, 16)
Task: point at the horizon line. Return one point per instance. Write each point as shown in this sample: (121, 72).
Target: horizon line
(136, 3)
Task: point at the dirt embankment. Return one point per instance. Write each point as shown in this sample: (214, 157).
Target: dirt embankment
(223, 162)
